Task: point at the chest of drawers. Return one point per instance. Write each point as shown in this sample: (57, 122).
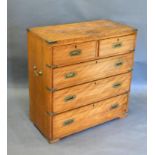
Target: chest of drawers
(79, 75)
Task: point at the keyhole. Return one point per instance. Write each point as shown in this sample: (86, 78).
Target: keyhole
(95, 83)
(96, 62)
(75, 46)
(117, 39)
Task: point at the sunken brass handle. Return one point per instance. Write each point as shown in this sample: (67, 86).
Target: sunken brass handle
(117, 64)
(37, 73)
(117, 45)
(75, 53)
(40, 73)
(69, 98)
(114, 106)
(70, 75)
(68, 122)
(116, 85)
(34, 67)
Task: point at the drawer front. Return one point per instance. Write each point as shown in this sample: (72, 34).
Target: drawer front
(79, 119)
(88, 93)
(114, 46)
(93, 70)
(74, 53)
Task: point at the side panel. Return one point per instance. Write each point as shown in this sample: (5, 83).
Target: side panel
(39, 98)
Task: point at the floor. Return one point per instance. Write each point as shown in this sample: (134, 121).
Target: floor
(119, 137)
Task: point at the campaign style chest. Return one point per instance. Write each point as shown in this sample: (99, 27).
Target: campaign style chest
(79, 75)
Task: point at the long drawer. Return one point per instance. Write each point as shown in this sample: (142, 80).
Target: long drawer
(79, 119)
(90, 71)
(81, 95)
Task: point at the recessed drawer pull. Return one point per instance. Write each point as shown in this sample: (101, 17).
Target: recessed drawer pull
(117, 45)
(117, 64)
(68, 122)
(70, 97)
(116, 85)
(70, 75)
(75, 53)
(114, 106)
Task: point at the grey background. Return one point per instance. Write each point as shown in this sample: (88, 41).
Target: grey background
(127, 136)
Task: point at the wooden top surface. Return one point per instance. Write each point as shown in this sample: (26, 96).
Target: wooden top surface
(84, 31)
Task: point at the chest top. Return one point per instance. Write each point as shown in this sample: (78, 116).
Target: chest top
(80, 32)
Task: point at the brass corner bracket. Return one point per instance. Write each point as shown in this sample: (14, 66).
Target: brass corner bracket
(51, 90)
(51, 41)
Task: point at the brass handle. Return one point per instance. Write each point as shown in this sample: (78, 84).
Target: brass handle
(68, 122)
(75, 53)
(117, 45)
(70, 97)
(120, 63)
(114, 106)
(40, 73)
(36, 73)
(116, 85)
(34, 67)
(70, 75)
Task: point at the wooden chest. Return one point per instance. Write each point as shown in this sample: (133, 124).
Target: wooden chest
(79, 75)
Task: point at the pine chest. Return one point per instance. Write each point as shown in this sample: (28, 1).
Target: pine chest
(79, 75)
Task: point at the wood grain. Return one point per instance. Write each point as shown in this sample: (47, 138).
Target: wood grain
(89, 116)
(93, 70)
(62, 54)
(90, 92)
(40, 100)
(83, 31)
(109, 47)
(71, 93)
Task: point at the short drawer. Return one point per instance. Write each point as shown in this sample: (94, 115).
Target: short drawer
(115, 46)
(90, 71)
(88, 93)
(82, 118)
(74, 53)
